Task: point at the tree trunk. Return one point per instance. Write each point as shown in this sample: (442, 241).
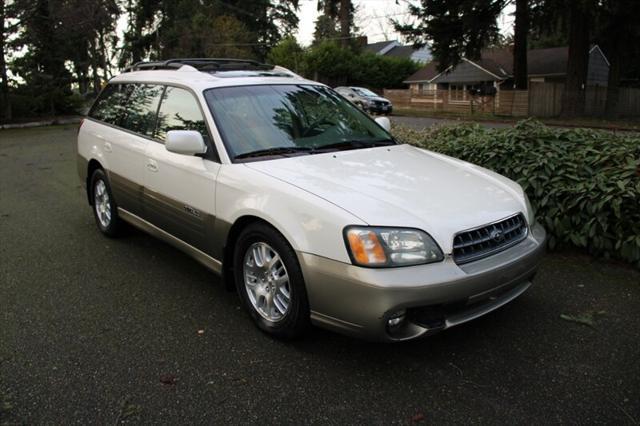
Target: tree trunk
(94, 66)
(345, 22)
(103, 57)
(576, 83)
(611, 106)
(5, 114)
(618, 31)
(521, 31)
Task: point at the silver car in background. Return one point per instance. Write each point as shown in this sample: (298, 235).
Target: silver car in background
(366, 99)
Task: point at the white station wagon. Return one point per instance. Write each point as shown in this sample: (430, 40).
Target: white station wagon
(306, 205)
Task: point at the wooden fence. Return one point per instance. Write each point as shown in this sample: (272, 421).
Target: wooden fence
(541, 100)
(545, 100)
(514, 103)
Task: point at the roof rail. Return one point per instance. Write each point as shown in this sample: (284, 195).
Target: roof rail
(201, 64)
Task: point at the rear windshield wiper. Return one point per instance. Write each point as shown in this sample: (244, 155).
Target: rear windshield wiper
(354, 144)
(279, 150)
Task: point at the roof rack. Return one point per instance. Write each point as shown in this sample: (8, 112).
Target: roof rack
(202, 64)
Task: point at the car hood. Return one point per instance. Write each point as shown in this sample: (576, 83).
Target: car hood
(378, 99)
(402, 185)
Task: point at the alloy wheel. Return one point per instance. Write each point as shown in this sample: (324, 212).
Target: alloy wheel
(102, 203)
(266, 281)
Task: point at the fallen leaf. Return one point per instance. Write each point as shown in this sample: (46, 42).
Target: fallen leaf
(417, 418)
(168, 379)
(585, 318)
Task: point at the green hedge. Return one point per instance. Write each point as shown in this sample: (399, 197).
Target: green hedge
(583, 184)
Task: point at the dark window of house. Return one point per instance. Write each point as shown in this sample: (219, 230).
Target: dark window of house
(179, 110)
(142, 107)
(110, 106)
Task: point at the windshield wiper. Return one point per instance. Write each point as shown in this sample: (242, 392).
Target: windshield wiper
(337, 146)
(278, 150)
(354, 144)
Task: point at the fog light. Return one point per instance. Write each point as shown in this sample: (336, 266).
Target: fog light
(396, 319)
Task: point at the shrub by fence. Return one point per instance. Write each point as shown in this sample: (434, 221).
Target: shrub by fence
(584, 184)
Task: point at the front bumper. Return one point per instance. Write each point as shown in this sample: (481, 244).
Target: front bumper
(359, 301)
(380, 109)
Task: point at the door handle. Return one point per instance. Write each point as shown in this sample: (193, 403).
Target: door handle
(107, 147)
(152, 166)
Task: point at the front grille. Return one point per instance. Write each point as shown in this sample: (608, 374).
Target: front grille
(485, 240)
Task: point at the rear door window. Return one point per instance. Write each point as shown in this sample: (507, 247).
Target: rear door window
(110, 106)
(142, 108)
(179, 110)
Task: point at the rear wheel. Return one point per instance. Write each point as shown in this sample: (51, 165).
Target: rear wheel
(105, 209)
(270, 283)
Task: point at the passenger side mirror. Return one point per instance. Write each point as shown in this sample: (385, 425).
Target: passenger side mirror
(185, 142)
(384, 122)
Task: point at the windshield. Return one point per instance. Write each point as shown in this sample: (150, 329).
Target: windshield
(289, 118)
(364, 92)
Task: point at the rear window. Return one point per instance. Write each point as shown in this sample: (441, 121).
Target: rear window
(110, 105)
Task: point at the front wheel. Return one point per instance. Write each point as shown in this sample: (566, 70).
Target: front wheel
(270, 282)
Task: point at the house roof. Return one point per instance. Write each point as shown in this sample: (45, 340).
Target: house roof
(377, 47)
(497, 65)
(548, 61)
(393, 48)
(471, 72)
(401, 51)
(424, 74)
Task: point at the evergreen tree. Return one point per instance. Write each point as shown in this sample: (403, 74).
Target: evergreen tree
(289, 54)
(619, 34)
(453, 28)
(580, 20)
(336, 22)
(326, 28)
(5, 100)
(247, 28)
(521, 29)
(42, 67)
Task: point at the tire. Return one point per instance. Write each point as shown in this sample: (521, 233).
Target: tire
(105, 209)
(275, 297)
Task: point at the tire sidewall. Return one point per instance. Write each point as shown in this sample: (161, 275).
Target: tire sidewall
(296, 319)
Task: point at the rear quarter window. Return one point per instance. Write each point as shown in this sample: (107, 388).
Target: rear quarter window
(110, 106)
(141, 109)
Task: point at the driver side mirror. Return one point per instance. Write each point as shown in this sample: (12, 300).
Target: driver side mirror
(185, 142)
(384, 122)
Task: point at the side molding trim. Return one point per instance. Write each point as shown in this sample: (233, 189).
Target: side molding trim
(208, 261)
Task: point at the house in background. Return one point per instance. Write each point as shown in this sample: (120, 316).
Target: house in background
(494, 72)
(394, 48)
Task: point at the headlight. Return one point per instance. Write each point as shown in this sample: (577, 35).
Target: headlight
(531, 215)
(388, 247)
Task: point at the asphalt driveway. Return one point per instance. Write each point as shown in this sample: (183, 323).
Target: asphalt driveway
(94, 330)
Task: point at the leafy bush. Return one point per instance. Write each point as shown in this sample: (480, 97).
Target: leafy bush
(335, 65)
(583, 184)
